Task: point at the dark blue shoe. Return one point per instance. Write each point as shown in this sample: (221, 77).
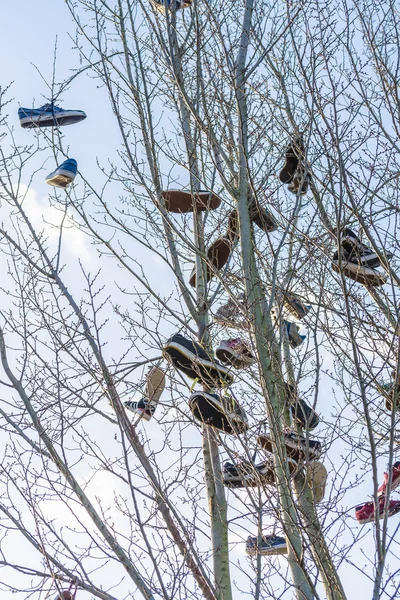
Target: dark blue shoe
(49, 116)
(64, 174)
(270, 544)
(225, 414)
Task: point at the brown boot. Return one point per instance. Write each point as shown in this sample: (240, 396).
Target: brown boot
(181, 201)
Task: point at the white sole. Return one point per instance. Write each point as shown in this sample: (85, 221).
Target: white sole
(60, 179)
(40, 119)
(196, 359)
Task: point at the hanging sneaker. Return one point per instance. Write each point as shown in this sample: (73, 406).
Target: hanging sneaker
(359, 252)
(247, 474)
(223, 413)
(297, 447)
(295, 339)
(64, 174)
(365, 513)
(270, 544)
(155, 384)
(161, 5)
(229, 314)
(235, 352)
(190, 358)
(49, 116)
(294, 304)
(65, 595)
(382, 491)
(317, 476)
(352, 268)
(305, 416)
(217, 256)
(300, 183)
(261, 217)
(293, 152)
(181, 201)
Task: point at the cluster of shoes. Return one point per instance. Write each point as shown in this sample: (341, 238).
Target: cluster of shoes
(50, 115)
(358, 261)
(367, 512)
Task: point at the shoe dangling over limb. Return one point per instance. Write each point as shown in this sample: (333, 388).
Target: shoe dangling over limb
(49, 116)
(222, 413)
(190, 357)
(235, 352)
(304, 415)
(146, 406)
(300, 183)
(359, 252)
(350, 267)
(294, 151)
(64, 174)
(365, 513)
(270, 545)
(383, 490)
(261, 217)
(317, 477)
(217, 255)
(163, 5)
(295, 339)
(297, 447)
(182, 201)
(294, 304)
(246, 474)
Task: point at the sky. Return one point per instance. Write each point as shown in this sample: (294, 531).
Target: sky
(29, 32)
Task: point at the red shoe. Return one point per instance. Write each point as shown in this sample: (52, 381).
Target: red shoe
(395, 479)
(365, 512)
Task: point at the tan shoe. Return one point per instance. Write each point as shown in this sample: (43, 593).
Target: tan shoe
(155, 384)
(317, 477)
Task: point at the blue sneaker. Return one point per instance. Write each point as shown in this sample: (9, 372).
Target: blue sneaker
(64, 174)
(270, 544)
(295, 339)
(48, 116)
(161, 5)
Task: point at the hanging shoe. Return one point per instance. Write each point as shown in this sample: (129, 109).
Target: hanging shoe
(49, 116)
(247, 474)
(305, 416)
(295, 339)
(392, 395)
(190, 358)
(64, 595)
(293, 152)
(262, 217)
(362, 274)
(365, 513)
(270, 544)
(300, 183)
(181, 201)
(358, 252)
(223, 413)
(382, 491)
(162, 5)
(155, 384)
(229, 314)
(297, 447)
(217, 255)
(294, 304)
(64, 174)
(317, 476)
(235, 352)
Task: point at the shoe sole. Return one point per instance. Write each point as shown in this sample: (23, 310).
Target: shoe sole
(217, 257)
(54, 121)
(229, 357)
(355, 273)
(391, 513)
(155, 384)
(393, 486)
(61, 179)
(267, 552)
(200, 362)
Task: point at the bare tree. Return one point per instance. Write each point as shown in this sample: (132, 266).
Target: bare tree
(207, 98)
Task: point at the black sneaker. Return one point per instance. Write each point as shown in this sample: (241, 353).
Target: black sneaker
(247, 474)
(297, 447)
(190, 358)
(304, 414)
(352, 268)
(358, 252)
(293, 151)
(143, 407)
(262, 217)
(224, 414)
